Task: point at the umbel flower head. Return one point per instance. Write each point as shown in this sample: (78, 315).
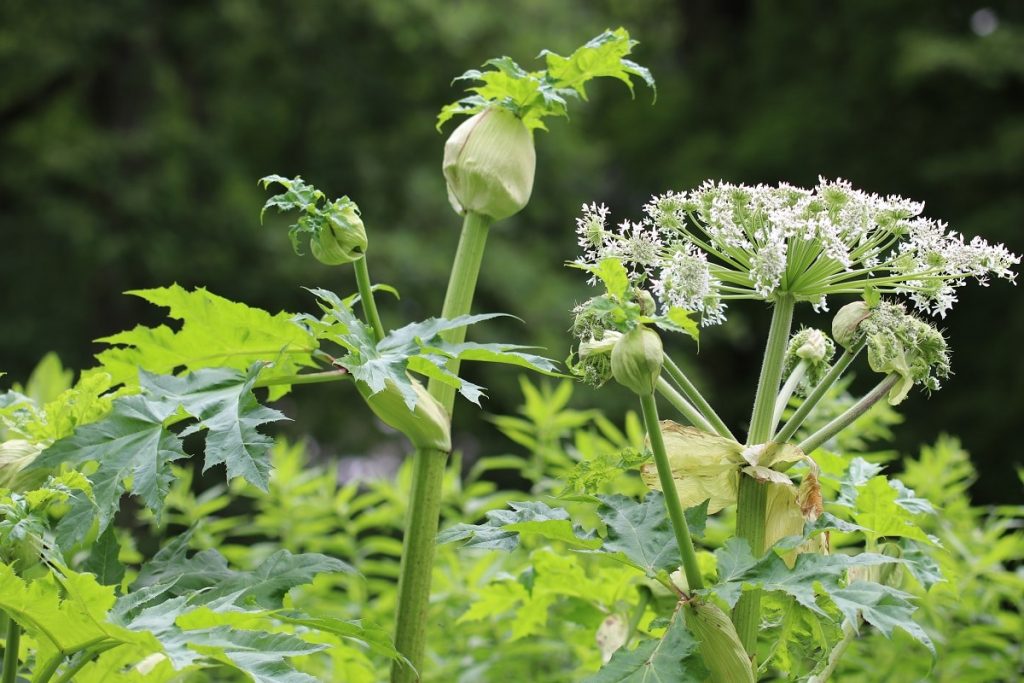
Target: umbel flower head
(699, 250)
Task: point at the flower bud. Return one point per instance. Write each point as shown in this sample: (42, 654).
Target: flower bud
(846, 324)
(646, 301)
(637, 359)
(426, 426)
(341, 239)
(489, 163)
(720, 645)
(15, 456)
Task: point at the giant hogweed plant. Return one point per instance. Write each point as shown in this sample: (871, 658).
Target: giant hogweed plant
(73, 611)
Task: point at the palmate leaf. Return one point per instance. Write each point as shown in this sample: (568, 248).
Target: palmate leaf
(416, 347)
(641, 533)
(535, 95)
(890, 607)
(885, 510)
(208, 576)
(64, 614)
(133, 444)
(671, 659)
(215, 332)
(504, 528)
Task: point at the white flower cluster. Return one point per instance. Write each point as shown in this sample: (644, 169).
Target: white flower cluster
(722, 241)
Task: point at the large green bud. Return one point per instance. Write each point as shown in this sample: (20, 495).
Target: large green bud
(489, 163)
(341, 238)
(637, 359)
(846, 323)
(427, 425)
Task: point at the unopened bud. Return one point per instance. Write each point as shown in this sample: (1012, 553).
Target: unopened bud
(427, 425)
(637, 359)
(489, 162)
(342, 238)
(15, 456)
(846, 324)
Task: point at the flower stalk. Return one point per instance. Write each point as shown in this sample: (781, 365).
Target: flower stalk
(752, 499)
(429, 467)
(675, 508)
(682, 405)
(693, 394)
(850, 414)
(818, 393)
(366, 298)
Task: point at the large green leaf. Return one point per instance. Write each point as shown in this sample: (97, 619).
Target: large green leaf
(503, 528)
(215, 332)
(223, 403)
(207, 572)
(641, 533)
(131, 443)
(884, 607)
(671, 659)
(885, 510)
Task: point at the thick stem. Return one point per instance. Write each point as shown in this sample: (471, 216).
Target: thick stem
(792, 382)
(752, 499)
(691, 414)
(850, 414)
(10, 673)
(818, 393)
(691, 392)
(668, 487)
(429, 467)
(366, 298)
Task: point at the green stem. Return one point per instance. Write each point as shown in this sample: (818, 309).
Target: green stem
(366, 298)
(782, 400)
(683, 406)
(429, 468)
(850, 414)
(752, 498)
(675, 509)
(304, 378)
(10, 674)
(818, 393)
(46, 671)
(691, 392)
(81, 659)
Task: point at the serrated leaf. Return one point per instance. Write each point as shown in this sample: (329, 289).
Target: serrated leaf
(671, 659)
(103, 559)
(417, 347)
(738, 568)
(223, 403)
(131, 443)
(642, 532)
(215, 332)
(61, 616)
(884, 607)
(535, 95)
(878, 511)
(503, 528)
(208, 571)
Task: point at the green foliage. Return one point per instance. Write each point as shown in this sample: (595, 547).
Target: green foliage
(215, 332)
(670, 658)
(534, 95)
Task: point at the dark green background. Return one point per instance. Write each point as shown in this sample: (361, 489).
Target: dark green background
(132, 135)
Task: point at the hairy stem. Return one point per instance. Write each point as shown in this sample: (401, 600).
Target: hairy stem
(752, 499)
(10, 672)
(668, 487)
(850, 414)
(792, 382)
(429, 467)
(691, 392)
(691, 414)
(366, 298)
(818, 393)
